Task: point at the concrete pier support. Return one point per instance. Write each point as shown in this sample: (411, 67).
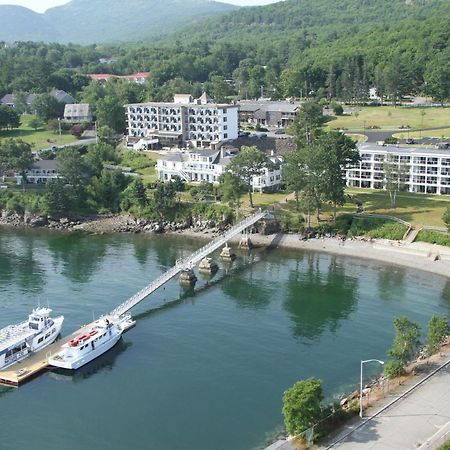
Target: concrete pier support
(188, 278)
(245, 242)
(227, 254)
(208, 266)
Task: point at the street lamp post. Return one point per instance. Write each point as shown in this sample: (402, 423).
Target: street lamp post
(59, 127)
(361, 384)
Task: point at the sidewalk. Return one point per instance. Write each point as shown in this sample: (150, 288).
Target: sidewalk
(408, 423)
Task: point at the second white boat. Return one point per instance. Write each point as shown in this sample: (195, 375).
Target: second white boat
(96, 340)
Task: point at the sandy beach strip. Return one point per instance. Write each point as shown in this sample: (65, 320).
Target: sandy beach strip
(418, 255)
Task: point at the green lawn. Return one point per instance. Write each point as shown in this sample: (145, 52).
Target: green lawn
(390, 118)
(148, 174)
(39, 139)
(439, 133)
(418, 209)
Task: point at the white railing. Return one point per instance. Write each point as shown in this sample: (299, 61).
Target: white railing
(188, 262)
(184, 175)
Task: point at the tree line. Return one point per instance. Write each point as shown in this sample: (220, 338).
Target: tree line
(292, 49)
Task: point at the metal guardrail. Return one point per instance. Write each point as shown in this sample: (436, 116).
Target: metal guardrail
(188, 262)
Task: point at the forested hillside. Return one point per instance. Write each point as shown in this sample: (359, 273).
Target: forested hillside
(100, 21)
(322, 48)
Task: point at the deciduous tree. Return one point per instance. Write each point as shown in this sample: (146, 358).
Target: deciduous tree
(134, 196)
(16, 155)
(47, 107)
(301, 405)
(231, 188)
(250, 162)
(395, 177)
(438, 329)
(404, 346)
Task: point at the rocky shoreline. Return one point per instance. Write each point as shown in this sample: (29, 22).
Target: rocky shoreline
(417, 255)
(106, 224)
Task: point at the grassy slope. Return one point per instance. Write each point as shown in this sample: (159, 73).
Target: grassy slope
(39, 139)
(417, 209)
(391, 118)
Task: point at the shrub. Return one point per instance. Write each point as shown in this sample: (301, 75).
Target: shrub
(341, 226)
(377, 228)
(434, 237)
(446, 218)
(77, 130)
(391, 140)
(393, 369)
(437, 330)
(136, 160)
(337, 108)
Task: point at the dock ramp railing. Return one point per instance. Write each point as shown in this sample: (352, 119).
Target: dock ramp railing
(188, 262)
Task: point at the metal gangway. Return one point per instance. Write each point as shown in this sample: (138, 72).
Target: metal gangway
(188, 262)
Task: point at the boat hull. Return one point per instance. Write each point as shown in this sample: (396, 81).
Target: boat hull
(74, 364)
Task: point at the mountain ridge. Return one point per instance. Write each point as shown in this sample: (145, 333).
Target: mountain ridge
(85, 22)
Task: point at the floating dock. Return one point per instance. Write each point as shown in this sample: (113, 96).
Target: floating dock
(22, 371)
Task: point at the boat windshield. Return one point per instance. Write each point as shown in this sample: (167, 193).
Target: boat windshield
(34, 326)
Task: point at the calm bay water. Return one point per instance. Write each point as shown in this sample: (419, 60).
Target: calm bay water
(201, 370)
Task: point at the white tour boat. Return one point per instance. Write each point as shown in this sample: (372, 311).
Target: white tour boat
(19, 341)
(102, 335)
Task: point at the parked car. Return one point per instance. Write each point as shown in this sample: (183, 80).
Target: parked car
(279, 131)
(411, 141)
(244, 133)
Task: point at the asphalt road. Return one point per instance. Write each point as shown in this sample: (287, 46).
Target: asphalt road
(408, 423)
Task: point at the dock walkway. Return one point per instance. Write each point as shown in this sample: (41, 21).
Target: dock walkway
(33, 365)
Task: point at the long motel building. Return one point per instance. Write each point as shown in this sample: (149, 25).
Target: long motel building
(427, 169)
(187, 122)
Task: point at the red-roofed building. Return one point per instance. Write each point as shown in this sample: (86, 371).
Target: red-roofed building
(138, 78)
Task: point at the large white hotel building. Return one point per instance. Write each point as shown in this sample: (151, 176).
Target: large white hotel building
(186, 122)
(428, 169)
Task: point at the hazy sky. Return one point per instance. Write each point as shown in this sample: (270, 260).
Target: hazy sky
(42, 5)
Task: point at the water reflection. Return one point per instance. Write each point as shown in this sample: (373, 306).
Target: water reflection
(19, 265)
(80, 255)
(391, 280)
(247, 292)
(104, 363)
(446, 294)
(6, 390)
(319, 298)
(168, 249)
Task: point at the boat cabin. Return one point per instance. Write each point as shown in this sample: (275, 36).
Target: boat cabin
(38, 319)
